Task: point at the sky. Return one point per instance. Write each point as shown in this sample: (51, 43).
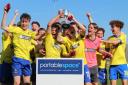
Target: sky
(103, 11)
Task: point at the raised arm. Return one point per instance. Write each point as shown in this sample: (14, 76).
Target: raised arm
(48, 27)
(78, 27)
(55, 19)
(89, 17)
(81, 26)
(14, 18)
(3, 23)
(105, 53)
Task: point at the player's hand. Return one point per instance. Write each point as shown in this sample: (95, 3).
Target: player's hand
(7, 7)
(16, 13)
(88, 14)
(107, 55)
(72, 53)
(42, 51)
(70, 16)
(61, 13)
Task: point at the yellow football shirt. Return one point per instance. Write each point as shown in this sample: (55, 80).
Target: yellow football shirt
(100, 61)
(118, 51)
(22, 41)
(7, 49)
(77, 45)
(79, 48)
(67, 42)
(53, 49)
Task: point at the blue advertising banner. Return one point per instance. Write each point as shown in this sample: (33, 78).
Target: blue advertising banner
(59, 66)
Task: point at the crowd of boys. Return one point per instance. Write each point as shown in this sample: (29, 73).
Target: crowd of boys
(64, 37)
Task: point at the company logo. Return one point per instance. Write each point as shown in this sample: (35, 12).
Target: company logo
(50, 66)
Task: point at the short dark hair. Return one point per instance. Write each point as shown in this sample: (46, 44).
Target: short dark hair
(101, 29)
(56, 25)
(117, 23)
(25, 15)
(36, 22)
(42, 29)
(94, 24)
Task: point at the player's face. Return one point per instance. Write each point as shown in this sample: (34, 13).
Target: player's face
(25, 23)
(35, 27)
(66, 32)
(54, 32)
(100, 34)
(82, 33)
(42, 32)
(91, 30)
(71, 33)
(114, 29)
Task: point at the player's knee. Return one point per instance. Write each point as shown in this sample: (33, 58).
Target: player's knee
(16, 82)
(26, 82)
(26, 79)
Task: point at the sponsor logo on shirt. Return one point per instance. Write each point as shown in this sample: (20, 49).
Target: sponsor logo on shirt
(25, 37)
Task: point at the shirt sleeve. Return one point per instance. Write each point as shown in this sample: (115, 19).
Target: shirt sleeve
(64, 51)
(12, 29)
(99, 44)
(66, 40)
(122, 39)
(33, 35)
